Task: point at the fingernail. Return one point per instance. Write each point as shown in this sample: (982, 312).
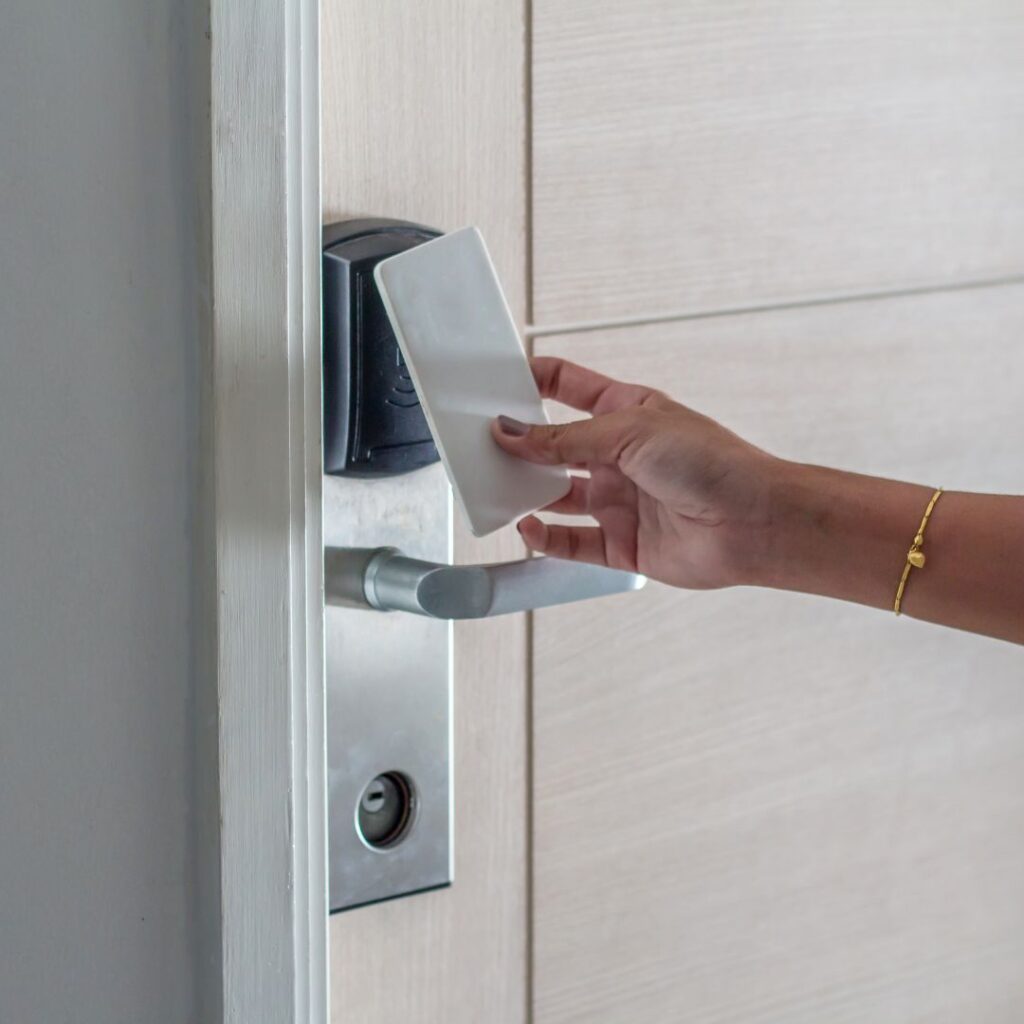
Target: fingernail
(512, 427)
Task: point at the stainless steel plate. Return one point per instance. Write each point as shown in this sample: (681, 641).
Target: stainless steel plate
(389, 693)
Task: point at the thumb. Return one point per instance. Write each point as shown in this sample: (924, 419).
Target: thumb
(584, 441)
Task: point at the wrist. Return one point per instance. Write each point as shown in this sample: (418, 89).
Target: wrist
(838, 534)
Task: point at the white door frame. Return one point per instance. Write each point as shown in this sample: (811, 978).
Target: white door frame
(264, 418)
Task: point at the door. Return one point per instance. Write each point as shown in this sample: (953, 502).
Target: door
(807, 221)
(423, 120)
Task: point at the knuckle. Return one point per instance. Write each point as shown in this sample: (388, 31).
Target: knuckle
(638, 424)
(572, 544)
(656, 401)
(553, 436)
(647, 419)
(554, 377)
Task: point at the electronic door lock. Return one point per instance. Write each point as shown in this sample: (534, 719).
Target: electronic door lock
(387, 580)
(389, 677)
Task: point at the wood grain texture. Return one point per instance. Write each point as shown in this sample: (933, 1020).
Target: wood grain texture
(423, 118)
(265, 397)
(708, 154)
(754, 807)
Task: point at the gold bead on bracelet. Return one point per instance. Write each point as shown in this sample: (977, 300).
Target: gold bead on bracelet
(915, 556)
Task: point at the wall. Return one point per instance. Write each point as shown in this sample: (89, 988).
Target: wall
(101, 269)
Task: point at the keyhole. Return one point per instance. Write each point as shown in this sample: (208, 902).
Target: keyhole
(373, 798)
(386, 810)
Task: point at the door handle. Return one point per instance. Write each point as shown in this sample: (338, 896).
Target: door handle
(387, 580)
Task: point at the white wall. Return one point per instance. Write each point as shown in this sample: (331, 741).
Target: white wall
(101, 314)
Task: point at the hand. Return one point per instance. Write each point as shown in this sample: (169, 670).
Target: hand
(676, 496)
(681, 499)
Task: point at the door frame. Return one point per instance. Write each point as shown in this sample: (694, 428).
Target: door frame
(263, 452)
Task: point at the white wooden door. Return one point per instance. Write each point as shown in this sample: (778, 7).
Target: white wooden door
(807, 220)
(423, 119)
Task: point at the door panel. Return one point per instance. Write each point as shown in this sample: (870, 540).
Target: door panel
(754, 806)
(423, 119)
(747, 806)
(708, 155)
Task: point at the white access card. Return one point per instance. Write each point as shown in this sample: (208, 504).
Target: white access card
(460, 344)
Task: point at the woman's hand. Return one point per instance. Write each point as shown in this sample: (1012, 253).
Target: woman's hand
(676, 496)
(681, 499)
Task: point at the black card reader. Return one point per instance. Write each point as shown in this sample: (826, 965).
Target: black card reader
(373, 422)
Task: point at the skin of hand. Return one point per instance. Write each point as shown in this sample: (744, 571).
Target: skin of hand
(676, 496)
(679, 498)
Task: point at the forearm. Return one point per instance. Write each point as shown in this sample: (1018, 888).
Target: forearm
(846, 535)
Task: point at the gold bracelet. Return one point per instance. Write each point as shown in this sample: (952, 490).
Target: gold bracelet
(915, 556)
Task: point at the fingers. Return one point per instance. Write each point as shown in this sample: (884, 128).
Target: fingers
(576, 502)
(569, 383)
(575, 543)
(584, 389)
(581, 443)
(600, 439)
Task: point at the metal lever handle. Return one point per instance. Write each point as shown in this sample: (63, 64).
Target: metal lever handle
(385, 579)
